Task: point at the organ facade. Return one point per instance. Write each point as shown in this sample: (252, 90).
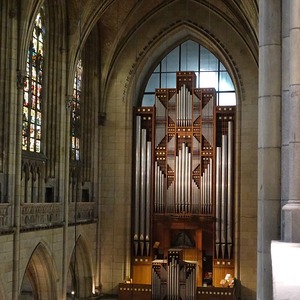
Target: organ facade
(183, 191)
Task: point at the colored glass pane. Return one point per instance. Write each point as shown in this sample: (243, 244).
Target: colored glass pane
(32, 98)
(75, 114)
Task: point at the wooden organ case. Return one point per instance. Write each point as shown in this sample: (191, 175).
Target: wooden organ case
(183, 191)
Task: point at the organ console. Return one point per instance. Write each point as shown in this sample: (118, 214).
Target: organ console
(183, 191)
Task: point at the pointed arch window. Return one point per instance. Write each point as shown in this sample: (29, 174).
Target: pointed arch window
(191, 56)
(75, 113)
(32, 100)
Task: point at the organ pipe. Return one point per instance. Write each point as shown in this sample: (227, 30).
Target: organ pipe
(142, 203)
(224, 194)
(192, 175)
(177, 183)
(229, 189)
(189, 182)
(177, 275)
(148, 198)
(156, 187)
(160, 188)
(137, 183)
(210, 186)
(143, 188)
(184, 105)
(218, 200)
(183, 180)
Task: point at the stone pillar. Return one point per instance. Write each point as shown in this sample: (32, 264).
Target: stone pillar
(66, 141)
(291, 211)
(269, 141)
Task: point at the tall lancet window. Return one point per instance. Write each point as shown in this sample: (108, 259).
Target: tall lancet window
(75, 114)
(32, 101)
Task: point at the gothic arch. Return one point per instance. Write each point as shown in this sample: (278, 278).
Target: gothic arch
(80, 274)
(156, 50)
(144, 57)
(39, 280)
(55, 23)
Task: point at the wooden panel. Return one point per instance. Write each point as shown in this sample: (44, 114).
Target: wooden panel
(128, 291)
(220, 269)
(143, 292)
(194, 255)
(214, 293)
(142, 272)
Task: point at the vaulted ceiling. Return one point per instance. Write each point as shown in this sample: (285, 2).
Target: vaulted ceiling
(117, 20)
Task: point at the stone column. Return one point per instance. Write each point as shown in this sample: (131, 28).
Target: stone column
(291, 211)
(269, 140)
(65, 139)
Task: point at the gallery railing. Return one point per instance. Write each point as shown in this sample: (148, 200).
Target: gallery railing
(43, 215)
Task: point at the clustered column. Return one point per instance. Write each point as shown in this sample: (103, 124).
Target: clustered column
(269, 140)
(291, 211)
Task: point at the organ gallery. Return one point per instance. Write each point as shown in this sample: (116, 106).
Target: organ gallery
(183, 191)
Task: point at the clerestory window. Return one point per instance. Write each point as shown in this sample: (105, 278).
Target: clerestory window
(75, 113)
(32, 100)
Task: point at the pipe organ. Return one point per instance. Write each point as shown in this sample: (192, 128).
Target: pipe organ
(183, 190)
(173, 278)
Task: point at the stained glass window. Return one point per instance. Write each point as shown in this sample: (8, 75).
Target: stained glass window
(75, 113)
(32, 101)
(191, 56)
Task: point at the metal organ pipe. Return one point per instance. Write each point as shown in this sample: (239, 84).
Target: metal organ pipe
(169, 278)
(195, 198)
(189, 182)
(210, 181)
(143, 188)
(184, 107)
(177, 182)
(155, 282)
(148, 198)
(160, 188)
(206, 189)
(182, 183)
(229, 189)
(141, 236)
(137, 183)
(155, 186)
(224, 194)
(178, 108)
(202, 188)
(183, 180)
(218, 200)
(170, 198)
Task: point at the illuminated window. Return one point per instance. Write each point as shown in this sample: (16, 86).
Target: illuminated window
(75, 114)
(191, 56)
(32, 101)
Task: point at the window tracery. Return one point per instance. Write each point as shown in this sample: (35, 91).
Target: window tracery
(191, 56)
(75, 114)
(32, 99)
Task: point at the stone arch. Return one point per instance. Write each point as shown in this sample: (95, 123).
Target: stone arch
(155, 51)
(80, 273)
(55, 21)
(143, 54)
(39, 279)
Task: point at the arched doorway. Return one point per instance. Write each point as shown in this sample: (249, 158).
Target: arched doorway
(80, 276)
(39, 277)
